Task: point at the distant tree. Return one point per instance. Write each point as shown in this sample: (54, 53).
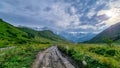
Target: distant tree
(1, 19)
(118, 36)
(108, 41)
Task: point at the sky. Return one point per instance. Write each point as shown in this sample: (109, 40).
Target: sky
(72, 16)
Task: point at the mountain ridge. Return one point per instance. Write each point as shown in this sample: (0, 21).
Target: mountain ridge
(10, 35)
(113, 33)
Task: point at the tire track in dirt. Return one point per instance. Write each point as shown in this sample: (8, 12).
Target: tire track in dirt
(51, 58)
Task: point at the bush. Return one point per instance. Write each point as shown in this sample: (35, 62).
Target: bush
(95, 56)
(111, 52)
(108, 41)
(98, 50)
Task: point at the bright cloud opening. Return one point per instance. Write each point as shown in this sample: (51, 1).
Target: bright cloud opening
(113, 14)
(110, 13)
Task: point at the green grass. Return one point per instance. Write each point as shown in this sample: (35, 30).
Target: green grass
(20, 56)
(11, 35)
(96, 55)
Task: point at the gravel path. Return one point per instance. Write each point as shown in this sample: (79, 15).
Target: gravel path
(52, 58)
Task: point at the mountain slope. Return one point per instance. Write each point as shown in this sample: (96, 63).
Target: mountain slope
(45, 35)
(9, 33)
(112, 33)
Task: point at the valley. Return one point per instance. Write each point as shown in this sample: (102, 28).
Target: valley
(23, 47)
(59, 33)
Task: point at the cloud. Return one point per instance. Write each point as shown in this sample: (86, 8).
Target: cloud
(86, 27)
(113, 13)
(61, 15)
(74, 33)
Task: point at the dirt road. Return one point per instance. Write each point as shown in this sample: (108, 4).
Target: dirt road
(52, 58)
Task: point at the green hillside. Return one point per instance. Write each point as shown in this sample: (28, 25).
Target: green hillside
(112, 33)
(45, 36)
(10, 35)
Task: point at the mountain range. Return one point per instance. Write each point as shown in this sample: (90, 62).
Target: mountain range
(10, 34)
(71, 36)
(77, 37)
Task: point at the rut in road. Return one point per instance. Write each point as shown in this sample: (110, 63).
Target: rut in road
(52, 58)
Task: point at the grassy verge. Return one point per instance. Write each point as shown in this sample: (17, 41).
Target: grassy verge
(94, 55)
(20, 56)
